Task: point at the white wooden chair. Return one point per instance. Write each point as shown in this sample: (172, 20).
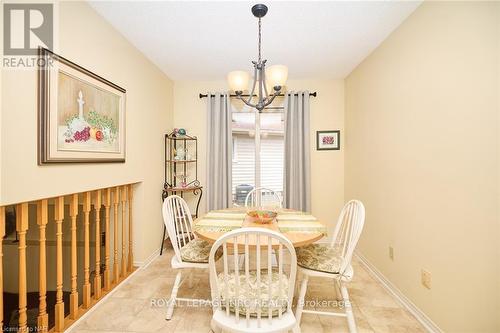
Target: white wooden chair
(263, 197)
(333, 261)
(189, 251)
(253, 299)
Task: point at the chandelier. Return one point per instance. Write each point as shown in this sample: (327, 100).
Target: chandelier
(263, 79)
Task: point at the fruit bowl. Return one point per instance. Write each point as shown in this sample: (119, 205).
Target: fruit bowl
(262, 216)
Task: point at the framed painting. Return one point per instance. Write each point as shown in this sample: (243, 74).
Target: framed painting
(328, 140)
(81, 115)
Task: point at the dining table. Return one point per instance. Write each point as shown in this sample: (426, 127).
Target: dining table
(299, 227)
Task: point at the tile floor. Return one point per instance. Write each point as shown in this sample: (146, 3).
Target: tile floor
(138, 305)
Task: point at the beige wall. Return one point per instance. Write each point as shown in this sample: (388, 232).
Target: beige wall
(327, 113)
(422, 154)
(87, 39)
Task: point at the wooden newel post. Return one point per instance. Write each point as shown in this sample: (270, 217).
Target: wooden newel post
(86, 258)
(2, 235)
(42, 220)
(73, 297)
(130, 252)
(97, 278)
(22, 228)
(107, 205)
(124, 228)
(116, 201)
(59, 307)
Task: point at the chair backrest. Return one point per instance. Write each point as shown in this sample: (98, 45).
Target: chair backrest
(348, 230)
(272, 290)
(178, 221)
(263, 197)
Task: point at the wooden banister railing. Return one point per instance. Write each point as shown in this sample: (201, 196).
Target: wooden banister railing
(107, 205)
(22, 229)
(42, 220)
(73, 297)
(57, 222)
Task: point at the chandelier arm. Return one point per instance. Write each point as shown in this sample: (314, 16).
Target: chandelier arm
(246, 102)
(253, 87)
(270, 100)
(261, 98)
(264, 81)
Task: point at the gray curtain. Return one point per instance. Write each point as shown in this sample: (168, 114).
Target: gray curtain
(219, 151)
(297, 174)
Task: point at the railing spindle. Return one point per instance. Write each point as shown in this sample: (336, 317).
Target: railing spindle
(22, 228)
(97, 278)
(2, 235)
(73, 297)
(107, 204)
(59, 307)
(86, 259)
(116, 201)
(130, 251)
(124, 228)
(42, 220)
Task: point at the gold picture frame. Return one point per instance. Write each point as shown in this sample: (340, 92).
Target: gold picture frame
(81, 117)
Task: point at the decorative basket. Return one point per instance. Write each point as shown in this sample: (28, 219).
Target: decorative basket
(262, 215)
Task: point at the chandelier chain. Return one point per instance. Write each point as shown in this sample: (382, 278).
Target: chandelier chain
(260, 37)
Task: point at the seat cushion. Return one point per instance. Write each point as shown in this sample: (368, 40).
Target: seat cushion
(319, 257)
(197, 251)
(248, 296)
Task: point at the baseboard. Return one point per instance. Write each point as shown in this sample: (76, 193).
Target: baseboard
(428, 324)
(145, 263)
(140, 264)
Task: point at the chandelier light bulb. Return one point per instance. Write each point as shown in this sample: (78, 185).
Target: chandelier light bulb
(238, 80)
(277, 75)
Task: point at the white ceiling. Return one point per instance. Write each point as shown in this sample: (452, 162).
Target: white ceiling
(204, 40)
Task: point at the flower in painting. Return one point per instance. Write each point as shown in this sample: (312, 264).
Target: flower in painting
(328, 140)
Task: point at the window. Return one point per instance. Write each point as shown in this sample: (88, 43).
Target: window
(258, 150)
(235, 151)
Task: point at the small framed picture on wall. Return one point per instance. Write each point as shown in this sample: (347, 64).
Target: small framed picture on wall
(328, 140)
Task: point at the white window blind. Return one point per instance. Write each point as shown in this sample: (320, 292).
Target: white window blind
(271, 152)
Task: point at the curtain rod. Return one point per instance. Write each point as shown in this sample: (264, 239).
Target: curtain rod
(313, 94)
